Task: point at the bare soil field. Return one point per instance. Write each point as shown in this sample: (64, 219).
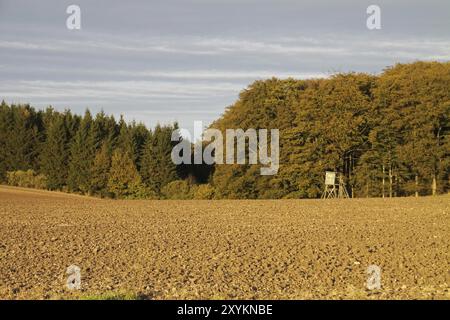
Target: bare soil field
(280, 249)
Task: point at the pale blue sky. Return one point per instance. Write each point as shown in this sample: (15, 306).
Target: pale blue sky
(187, 60)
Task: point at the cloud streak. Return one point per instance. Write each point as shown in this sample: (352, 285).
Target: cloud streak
(329, 45)
(189, 59)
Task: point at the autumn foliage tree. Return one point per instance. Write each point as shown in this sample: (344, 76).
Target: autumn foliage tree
(124, 181)
(388, 134)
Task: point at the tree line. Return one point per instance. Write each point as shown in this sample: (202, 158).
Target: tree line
(84, 154)
(387, 134)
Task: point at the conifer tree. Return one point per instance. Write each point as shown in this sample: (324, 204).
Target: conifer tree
(125, 138)
(82, 151)
(19, 138)
(157, 168)
(54, 156)
(100, 171)
(139, 135)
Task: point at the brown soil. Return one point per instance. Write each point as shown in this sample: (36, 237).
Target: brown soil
(286, 249)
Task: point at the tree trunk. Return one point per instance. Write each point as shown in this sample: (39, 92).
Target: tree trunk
(434, 185)
(396, 185)
(390, 181)
(350, 174)
(382, 189)
(417, 185)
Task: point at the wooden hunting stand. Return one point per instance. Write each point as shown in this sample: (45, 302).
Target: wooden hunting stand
(334, 190)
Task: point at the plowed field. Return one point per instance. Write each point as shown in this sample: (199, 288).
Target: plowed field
(280, 249)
